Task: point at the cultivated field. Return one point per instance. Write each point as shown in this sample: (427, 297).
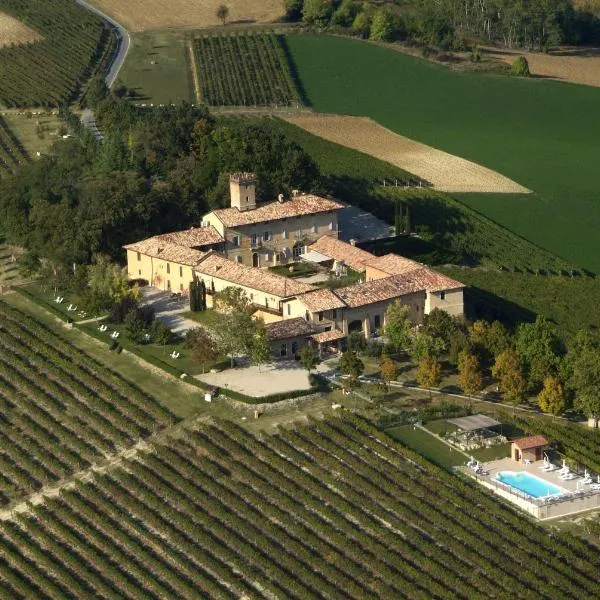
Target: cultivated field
(575, 65)
(13, 31)
(52, 71)
(12, 153)
(157, 14)
(244, 70)
(444, 171)
(331, 510)
(62, 412)
(496, 121)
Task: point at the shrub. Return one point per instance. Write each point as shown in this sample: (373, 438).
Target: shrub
(520, 67)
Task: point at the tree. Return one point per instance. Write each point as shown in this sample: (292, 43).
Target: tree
(362, 23)
(488, 341)
(202, 345)
(424, 345)
(351, 365)
(507, 372)
(236, 333)
(520, 67)
(260, 348)
(293, 9)
(223, 13)
(232, 299)
(309, 358)
(429, 373)
(552, 397)
(586, 378)
(345, 14)
(538, 348)
(440, 324)
(356, 342)
(97, 91)
(317, 12)
(108, 283)
(398, 327)
(470, 377)
(382, 26)
(387, 369)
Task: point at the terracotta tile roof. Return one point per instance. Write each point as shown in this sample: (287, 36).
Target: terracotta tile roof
(305, 204)
(289, 328)
(167, 251)
(328, 336)
(396, 265)
(321, 300)
(378, 290)
(195, 237)
(338, 250)
(393, 264)
(532, 441)
(216, 265)
(179, 246)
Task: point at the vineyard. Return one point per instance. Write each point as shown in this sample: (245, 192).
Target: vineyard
(335, 509)
(51, 71)
(61, 412)
(245, 70)
(12, 153)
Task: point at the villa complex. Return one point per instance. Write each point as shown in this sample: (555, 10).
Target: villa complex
(234, 245)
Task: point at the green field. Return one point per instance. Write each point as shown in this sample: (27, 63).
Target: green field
(157, 68)
(540, 133)
(36, 132)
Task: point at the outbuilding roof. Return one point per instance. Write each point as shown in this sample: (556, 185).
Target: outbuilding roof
(379, 290)
(328, 336)
(289, 328)
(531, 441)
(304, 204)
(342, 251)
(319, 300)
(474, 422)
(167, 251)
(262, 280)
(393, 264)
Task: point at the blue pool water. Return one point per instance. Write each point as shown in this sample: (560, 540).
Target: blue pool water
(528, 484)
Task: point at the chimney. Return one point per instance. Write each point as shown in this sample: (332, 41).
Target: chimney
(295, 193)
(280, 199)
(242, 188)
(353, 242)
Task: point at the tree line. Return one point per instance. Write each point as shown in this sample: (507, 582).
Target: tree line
(530, 361)
(447, 25)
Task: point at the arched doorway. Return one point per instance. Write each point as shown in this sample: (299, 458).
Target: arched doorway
(356, 325)
(255, 260)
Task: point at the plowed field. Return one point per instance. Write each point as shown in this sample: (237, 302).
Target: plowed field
(158, 14)
(444, 171)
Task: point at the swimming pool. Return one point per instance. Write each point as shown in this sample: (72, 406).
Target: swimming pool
(529, 484)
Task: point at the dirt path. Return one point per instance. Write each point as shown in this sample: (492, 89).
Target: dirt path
(195, 76)
(444, 171)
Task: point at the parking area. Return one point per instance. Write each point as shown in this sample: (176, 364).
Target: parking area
(169, 308)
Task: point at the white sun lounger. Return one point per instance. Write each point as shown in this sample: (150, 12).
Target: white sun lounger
(568, 476)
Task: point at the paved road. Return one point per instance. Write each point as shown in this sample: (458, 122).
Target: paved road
(87, 118)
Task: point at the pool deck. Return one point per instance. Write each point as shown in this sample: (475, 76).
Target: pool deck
(577, 497)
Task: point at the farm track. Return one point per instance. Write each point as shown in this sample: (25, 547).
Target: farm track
(444, 171)
(195, 73)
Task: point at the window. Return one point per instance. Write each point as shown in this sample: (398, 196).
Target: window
(254, 240)
(235, 240)
(294, 348)
(267, 302)
(238, 259)
(377, 321)
(297, 251)
(298, 233)
(168, 268)
(180, 271)
(169, 284)
(283, 350)
(139, 255)
(334, 314)
(321, 316)
(289, 309)
(266, 236)
(442, 295)
(307, 316)
(330, 225)
(181, 287)
(284, 234)
(251, 296)
(139, 272)
(314, 228)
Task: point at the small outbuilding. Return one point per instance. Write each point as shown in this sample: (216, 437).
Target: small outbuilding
(530, 448)
(474, 432)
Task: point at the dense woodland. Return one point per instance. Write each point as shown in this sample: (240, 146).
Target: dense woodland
(156, 171)
(455, 24)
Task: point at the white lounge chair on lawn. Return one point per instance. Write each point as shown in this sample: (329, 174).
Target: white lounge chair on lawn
(115, 335)
(103, 328)
(175, 354)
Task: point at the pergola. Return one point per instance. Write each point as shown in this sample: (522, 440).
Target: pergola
(474, 422)
(474, 426)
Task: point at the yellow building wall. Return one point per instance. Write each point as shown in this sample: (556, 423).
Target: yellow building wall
(159, 273)
(453, 302)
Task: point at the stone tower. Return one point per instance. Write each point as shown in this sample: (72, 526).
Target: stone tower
(242, 187)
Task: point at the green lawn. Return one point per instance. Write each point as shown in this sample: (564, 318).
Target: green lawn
(543, 134)
(428, 446)
(36, 132)
(45, 297)
(157, 68)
